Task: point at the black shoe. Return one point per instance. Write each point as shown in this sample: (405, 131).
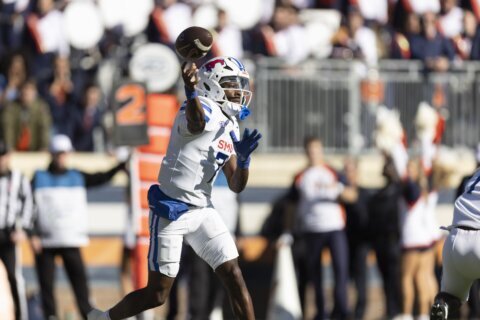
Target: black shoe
(439, 311)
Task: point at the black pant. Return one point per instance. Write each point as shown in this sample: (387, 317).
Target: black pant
(358, 252)
(8, 257)
(300, 254)
(388, 253)
(73, 263)
(336, 241)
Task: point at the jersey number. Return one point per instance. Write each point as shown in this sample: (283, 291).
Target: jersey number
(220, 159)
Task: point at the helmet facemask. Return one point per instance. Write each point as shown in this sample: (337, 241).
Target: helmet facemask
(225, 80)
(237, 95)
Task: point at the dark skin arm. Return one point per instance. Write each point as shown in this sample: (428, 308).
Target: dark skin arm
(194, 111)
(237, 178)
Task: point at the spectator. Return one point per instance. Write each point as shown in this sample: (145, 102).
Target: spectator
(355, 40)
(286, 37)
(357, 235)
(431, 47)
(322, 222)
(16, 75)
(469, 45)
(26, 123)
(405, 7)
(88, 120)
(376, 10)
(47, 29)
(57, 91)
(16, 213)
(12, 28)
(61, 225)
(384, 230)
(450, 22)
(168, 20)
(229, 38)
(401, 47)
(47, 32)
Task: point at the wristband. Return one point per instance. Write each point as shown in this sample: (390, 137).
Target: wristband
(243, 164)
(190, 94)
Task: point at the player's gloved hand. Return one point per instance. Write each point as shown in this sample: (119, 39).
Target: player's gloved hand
(245, 147)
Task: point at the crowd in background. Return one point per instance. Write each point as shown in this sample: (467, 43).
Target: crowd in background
(48, 86)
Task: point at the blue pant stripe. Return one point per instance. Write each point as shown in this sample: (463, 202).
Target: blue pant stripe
(155, 247)
(154, 217)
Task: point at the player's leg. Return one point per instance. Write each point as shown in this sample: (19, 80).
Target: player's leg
(231, 276)
(153, 295)
(211, 240)
(166, 238)
(75, 268)
(454, 286)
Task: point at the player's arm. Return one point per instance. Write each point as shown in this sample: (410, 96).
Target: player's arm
(236, 169)
(237, 178)
(194, 111)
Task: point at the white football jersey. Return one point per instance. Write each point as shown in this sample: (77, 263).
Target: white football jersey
(192, 161)
(467, 206)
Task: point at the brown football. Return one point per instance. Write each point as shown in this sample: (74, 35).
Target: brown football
(193, 43)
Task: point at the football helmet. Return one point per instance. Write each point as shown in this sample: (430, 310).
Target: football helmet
(222, 74)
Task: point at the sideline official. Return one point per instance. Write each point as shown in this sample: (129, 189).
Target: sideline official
(60, 196)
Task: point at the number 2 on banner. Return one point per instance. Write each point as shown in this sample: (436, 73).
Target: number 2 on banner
(131, 98)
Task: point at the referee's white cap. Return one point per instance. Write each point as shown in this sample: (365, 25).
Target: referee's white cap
(60, 143)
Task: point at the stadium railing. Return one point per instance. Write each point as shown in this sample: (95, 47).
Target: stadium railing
(337, 101)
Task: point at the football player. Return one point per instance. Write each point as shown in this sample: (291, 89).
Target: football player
(461, 253)
(204, 139)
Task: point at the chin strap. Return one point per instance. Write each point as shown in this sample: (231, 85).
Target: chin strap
(233, 109)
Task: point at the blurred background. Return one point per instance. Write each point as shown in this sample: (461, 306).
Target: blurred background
(363, 76)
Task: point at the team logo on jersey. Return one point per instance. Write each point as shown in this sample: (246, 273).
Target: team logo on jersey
(225, 145)
(211, 65)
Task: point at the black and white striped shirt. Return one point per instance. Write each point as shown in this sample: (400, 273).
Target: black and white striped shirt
(16, 202)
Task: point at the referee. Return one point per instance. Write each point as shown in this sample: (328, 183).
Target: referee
(15, 217)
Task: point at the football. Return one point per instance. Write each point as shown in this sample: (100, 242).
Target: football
(193, 43)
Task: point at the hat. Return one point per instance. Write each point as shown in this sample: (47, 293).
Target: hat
(60, 143)
(3, 148)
